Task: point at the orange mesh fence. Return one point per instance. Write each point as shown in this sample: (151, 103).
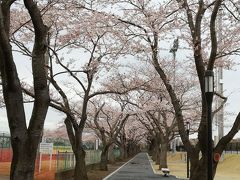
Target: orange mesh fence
(5, 154)
(60, 161)
(45, 173)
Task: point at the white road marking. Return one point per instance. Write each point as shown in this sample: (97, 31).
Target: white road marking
(150, 161)
(117, 169)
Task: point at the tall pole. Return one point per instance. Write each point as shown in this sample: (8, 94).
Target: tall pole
(210, 145)
(220, 114)
(173, 50)
(188, 130)
(209, 90)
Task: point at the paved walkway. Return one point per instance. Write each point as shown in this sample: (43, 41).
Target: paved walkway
(138, 168)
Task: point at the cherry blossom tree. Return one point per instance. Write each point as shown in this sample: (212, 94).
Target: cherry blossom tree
(24, 138)
(160, 122)
(135, 137)
(77, 110)
(199, 35)
(155, 112)
(107, 124)
(207, 12)
(102, 31)
(148, 23)
(131, 136)
(94, 40)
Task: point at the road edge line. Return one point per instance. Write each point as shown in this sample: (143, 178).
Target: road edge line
(108, 176)
(150, 161)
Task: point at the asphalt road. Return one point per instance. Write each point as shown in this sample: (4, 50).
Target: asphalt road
(139, 168)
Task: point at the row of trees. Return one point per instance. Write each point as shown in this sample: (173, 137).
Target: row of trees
(102, 64)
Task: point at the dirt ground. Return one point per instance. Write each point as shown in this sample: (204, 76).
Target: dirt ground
(99, 175)
(50, 175)
(5, 168)
(228, 169)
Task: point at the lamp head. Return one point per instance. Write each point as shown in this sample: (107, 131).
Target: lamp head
(209, 81)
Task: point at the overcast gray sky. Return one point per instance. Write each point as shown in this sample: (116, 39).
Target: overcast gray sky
(231, 89)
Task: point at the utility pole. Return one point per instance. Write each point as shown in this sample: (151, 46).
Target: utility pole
(173, 50)
(219, 83)
(220, 114)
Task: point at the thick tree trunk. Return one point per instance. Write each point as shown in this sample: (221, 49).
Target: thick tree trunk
(104, 159)
(198, 170)
(111, 156)
(122, 152)
(163, 156)
(157, 161)
(156, 152)
(151, 147)
(80, 172)
(156, 155)
(126, 155)
(24, 140)
(23, 162)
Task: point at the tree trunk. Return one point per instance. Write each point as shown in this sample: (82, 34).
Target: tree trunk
(80, 172)
(163, 155)
(126, 155)
(157, 152)
(23, 161)
(122, 152)
(198, 169)
(151, 147)
(111, 156)
(24, 140)
(104, 159)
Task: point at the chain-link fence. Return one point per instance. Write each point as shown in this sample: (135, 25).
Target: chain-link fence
(93, 156)
(66, 160)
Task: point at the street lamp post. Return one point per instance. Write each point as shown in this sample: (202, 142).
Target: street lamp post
(174, 50)
(188, 130)
(209, 90)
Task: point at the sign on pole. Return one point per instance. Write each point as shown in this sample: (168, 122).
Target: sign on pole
(46, 148)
